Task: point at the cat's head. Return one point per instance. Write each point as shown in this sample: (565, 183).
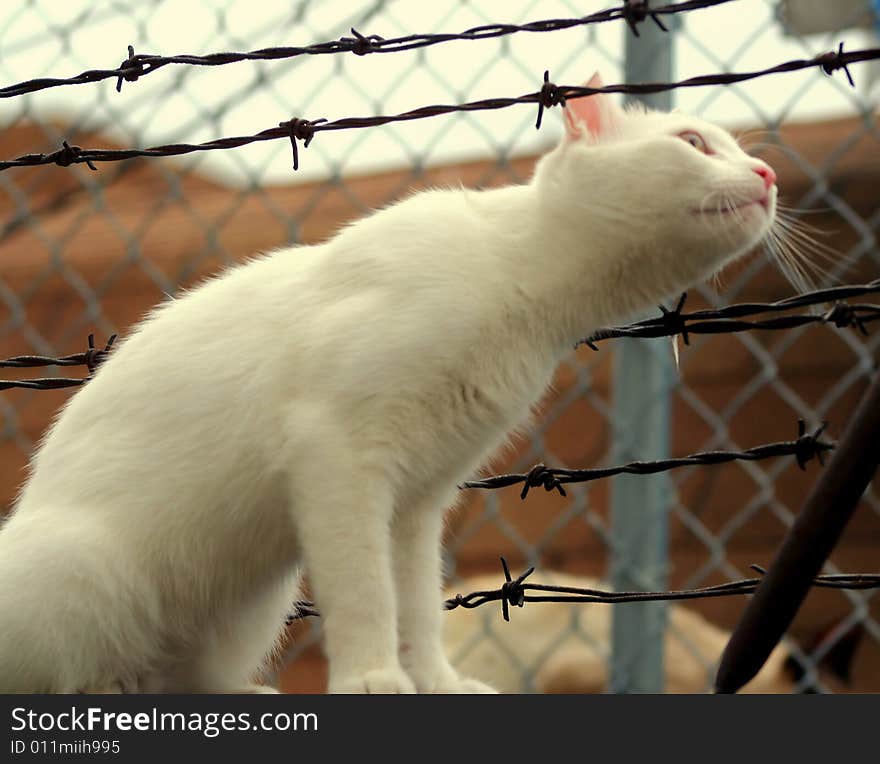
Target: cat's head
(679, 191)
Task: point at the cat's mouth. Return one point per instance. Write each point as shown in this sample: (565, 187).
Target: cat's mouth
(734, 208)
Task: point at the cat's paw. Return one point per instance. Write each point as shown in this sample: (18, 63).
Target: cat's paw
(446, 681)
(390, 681)
(465, 686)
(458, 685)
(257, 689)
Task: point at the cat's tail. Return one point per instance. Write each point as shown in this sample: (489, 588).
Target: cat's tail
(64, 626)
(26, 664)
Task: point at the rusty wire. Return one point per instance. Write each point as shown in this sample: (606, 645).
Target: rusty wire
(668, 323)
(135, 66)
(730, 318)
(807, 545)
(301, 129)
(806, 447)
(514, 592)
(91, 358)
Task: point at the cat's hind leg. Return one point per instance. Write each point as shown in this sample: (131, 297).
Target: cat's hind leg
(234, 653)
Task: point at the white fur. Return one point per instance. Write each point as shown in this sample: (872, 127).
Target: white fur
(316, 408)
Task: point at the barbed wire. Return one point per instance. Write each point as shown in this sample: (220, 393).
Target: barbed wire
(90, 358)
(514, 592)
(550, 94)
(806, 447)
(42, 383)
(140, 65)
(667, 324)
(729, 319)
(808, 543)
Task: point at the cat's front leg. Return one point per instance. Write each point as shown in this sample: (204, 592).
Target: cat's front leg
(345, 538)
(417, 535)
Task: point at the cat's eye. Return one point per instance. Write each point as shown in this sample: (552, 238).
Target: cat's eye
(695, 139)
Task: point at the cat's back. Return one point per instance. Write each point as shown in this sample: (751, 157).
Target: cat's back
(190, 385)
(209, 378)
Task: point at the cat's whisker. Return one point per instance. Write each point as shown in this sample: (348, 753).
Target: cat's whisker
(795, 216)
(812, 248)
(801, 211)
(725, 208)
(745, 139)
(735, 211)
(787, 262)
(810, 243)
(703, 204)
(793, 250)
(759, 147)
(802, 239)
(744, 135)
(712, 212)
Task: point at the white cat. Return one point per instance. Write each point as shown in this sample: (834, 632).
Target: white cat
(316, 407)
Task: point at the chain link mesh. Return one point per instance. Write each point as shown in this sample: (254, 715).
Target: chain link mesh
(88, 252)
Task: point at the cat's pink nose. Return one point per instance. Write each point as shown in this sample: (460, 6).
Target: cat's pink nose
(766, 172)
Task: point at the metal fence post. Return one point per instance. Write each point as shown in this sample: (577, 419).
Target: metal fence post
(643, 378)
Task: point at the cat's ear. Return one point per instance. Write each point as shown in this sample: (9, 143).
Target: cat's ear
(592, 116)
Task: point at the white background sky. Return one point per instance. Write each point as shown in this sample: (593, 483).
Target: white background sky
(64, 37)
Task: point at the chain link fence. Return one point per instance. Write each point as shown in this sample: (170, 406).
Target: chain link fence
(84, 251)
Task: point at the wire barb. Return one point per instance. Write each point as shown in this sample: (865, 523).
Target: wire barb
(512, 592)
(94, 357)
(730, 318)
(805, 448)
(130, 69)
(808, 446)
(550, 96)
(674, 321)
(539, 476)
(669, 323)
(361, 45)
(834, 60)
(516, 592)
(541, 97)
(300, 130)
(67, 155)
(358, 44)
(845, 316)
(634, 12)
(91, 358)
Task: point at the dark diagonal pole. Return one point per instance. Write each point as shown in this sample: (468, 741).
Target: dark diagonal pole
(805, 548)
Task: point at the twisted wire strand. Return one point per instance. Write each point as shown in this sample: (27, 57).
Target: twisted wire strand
(140, 65)
(730, 318)
(514, 592)
(806, 447)
(549, 95)
(668, 323)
